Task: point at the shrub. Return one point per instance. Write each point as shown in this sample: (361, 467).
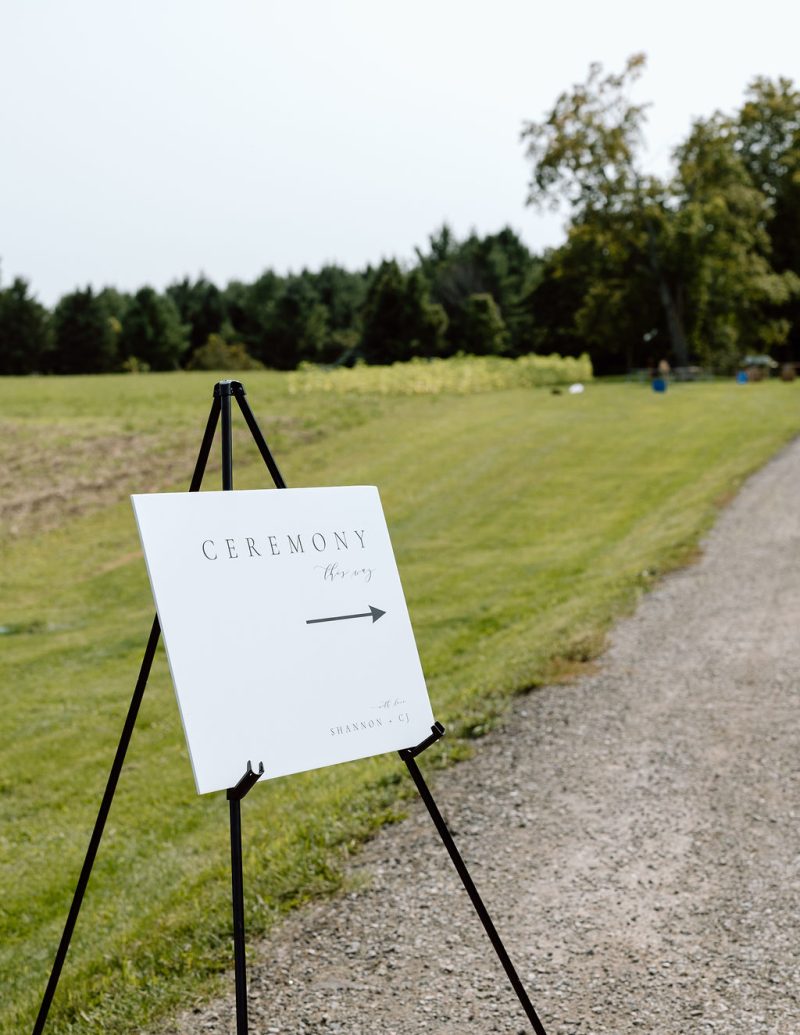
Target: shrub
(459, 375)
(217, 354)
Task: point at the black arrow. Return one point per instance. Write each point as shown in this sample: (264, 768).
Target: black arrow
(374, 612)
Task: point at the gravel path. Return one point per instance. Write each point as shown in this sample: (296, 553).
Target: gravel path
(634, 836)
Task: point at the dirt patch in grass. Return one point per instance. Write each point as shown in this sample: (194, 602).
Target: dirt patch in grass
(54, 472)
(51, 472)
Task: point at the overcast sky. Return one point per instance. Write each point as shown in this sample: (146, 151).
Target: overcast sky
(144, 141)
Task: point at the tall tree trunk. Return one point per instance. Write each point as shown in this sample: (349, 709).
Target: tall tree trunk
(677, 335)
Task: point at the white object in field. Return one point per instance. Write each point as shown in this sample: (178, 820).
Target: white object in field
(575, 389)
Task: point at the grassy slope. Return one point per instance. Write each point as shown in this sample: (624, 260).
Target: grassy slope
(522, 523)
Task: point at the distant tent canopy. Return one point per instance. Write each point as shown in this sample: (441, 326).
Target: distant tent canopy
(759, 361)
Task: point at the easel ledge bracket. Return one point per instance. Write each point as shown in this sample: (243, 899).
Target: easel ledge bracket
(437, 732)
(247, 782)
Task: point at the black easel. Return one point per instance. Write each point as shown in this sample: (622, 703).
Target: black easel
(221, 408)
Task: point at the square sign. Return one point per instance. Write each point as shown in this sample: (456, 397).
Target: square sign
(285, 626)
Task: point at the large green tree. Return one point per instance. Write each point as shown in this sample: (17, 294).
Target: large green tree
(342, 293)
(767, 138)
(86, 339)
(483, 331)
(25, 331)
(201, 307)
(294, 325)
(249, 309)
(152, 331)
(499, 266)
(689, 259)
(733, 294)
(399, 319)
(586, 153)
(597, 294)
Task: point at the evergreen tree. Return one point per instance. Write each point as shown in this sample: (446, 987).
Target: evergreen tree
(115, 302)
(25, 331)
(342, 293)
(482, 330)
(249, 308)
(85, 338)
(201, 307)
(152, 331)
(399, 319)
(498, 265)
(295, 326)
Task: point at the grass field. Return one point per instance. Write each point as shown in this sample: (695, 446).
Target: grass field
(523, 524)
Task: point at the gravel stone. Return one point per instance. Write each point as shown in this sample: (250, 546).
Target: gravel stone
(634, 835)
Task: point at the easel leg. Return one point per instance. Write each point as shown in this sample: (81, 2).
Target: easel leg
(472, 891)
(258, 437)
(224, 390)
(235, 795)
(237, 888)
(99, 826)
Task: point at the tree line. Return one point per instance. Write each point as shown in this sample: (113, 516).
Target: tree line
(460, 296)
(701, 267)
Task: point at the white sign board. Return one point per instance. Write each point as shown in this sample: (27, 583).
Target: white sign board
(285, 626)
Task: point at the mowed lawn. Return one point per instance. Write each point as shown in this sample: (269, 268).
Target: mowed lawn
(523, 524)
